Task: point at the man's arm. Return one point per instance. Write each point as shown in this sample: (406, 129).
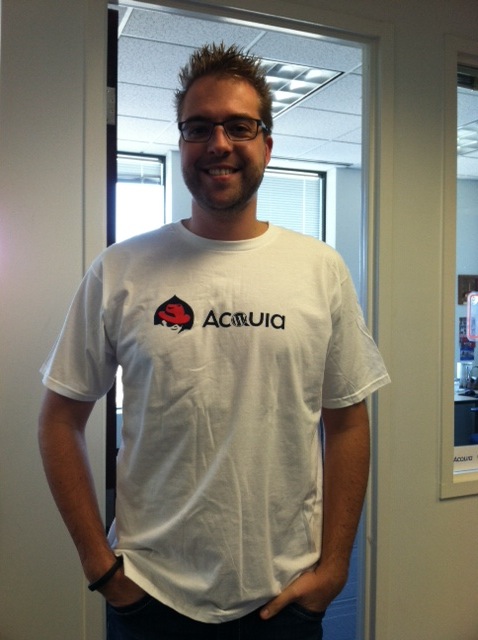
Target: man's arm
(63, 449)
(346, 468)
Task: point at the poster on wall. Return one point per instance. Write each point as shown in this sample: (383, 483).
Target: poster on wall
(472, 316)
(466, 346)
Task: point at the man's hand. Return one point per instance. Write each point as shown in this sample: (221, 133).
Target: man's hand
(120, 591)
(65, 457)
(313, 590)
(345, 480)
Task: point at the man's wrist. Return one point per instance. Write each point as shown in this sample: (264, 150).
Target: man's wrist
(106, 577)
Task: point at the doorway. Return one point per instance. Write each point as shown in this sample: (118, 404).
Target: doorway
(320, 131)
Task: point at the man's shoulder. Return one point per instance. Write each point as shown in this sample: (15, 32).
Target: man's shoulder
(304, 242)
(135, 253)
(144, 241)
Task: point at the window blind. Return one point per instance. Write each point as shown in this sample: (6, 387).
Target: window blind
(294, 200)
(140, 169)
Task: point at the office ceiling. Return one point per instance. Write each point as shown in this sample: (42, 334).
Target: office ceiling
(325, 128)
(154, 44)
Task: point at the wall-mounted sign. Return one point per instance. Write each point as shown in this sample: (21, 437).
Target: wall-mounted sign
(465, 458)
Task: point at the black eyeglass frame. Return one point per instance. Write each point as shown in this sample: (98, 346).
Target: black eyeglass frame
(213, 125)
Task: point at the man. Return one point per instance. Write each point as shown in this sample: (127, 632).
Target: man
(227, 524)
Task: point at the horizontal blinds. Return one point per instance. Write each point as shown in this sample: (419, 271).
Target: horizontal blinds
(294, 200)
(140, 169)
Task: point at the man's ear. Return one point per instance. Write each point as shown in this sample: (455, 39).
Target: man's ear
(269, 143)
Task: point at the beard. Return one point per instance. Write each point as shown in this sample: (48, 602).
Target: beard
(223, 200)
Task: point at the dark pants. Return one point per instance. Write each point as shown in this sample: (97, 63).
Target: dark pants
(151, 620)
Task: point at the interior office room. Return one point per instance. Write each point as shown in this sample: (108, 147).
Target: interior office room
(401, 205)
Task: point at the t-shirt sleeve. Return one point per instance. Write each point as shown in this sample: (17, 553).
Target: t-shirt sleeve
(354, 367)
(82, 363)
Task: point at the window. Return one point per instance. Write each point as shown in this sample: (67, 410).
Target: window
(466, 354)
(459, 459)
(287, 198)
(294, 199)
(139, 207)
(139, 195)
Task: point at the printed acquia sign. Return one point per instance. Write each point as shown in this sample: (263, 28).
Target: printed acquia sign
(465, 458)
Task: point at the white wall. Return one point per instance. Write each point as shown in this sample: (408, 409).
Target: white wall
(423, 560)
(349, 221)
(179, 198)
(44, 188)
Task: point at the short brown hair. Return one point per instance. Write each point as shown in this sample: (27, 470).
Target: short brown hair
(219, 60)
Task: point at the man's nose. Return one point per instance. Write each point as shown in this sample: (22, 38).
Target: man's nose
(219, 139)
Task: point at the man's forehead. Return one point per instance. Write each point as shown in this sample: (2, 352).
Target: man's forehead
(209, 95)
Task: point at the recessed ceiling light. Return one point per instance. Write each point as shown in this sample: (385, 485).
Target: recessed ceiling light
(467, 139)
(292, 83)
(467, 135)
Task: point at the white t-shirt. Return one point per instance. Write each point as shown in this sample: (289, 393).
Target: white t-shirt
(229, 350)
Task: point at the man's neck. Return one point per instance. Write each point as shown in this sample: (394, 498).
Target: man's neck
(225, 228)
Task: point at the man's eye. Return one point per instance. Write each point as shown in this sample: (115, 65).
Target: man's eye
(240, 128)
(197, 129)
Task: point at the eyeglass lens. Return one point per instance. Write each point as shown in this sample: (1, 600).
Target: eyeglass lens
(236, 129)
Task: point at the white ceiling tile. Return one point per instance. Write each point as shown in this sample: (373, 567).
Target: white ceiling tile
(313, 123)
(467, 166)
(140, 129)
(132, 146)
(145, 102)
(467, 107)
(157, 148)
(169, 135)
(153, 64)
(308, 50)
(343, 94)
(292, 146)
(354, 136)
(183, 30)
(337, 152)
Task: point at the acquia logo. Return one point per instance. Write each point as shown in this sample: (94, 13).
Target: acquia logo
(174, 314)
(242, 319)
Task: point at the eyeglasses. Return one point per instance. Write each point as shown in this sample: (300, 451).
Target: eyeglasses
(236, 129)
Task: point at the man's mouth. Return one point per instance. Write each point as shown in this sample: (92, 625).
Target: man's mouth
(220, 172)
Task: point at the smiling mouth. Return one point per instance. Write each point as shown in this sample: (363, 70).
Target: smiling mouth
(220, 172)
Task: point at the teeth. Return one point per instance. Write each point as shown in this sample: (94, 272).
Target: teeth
(220, 172)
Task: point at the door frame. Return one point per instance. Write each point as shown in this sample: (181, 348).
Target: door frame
(377, 172)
